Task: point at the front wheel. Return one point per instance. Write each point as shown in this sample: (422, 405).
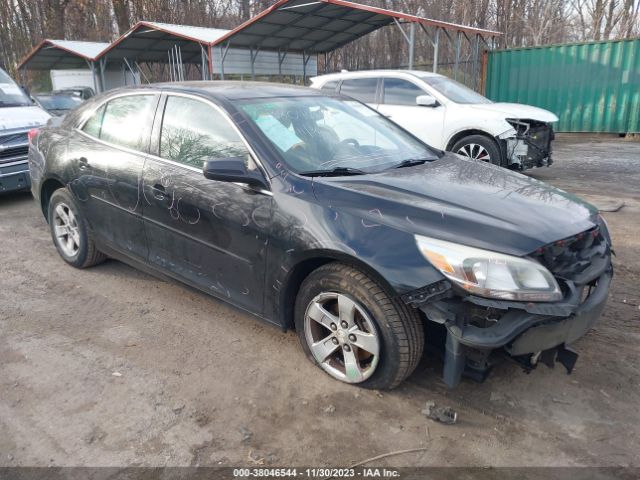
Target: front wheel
(354, 331)
(478, 147)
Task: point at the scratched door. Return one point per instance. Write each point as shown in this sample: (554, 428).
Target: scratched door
(108, 157)
(212, 235)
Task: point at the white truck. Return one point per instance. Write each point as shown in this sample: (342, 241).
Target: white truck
(18, 115)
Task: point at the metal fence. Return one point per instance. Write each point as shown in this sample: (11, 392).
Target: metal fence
(592, 87)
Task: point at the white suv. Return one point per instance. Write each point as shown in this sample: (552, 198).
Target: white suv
(447, 115)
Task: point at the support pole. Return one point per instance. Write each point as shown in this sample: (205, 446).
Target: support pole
(92, 66)
(103, 66)
(305, 61)
(412, 42)
(304, 67)
(281, 57)
(210, 62)
(436, 48)
(457, 63)
(133, 72)
(223, 55)
(475, 62)
(203, 61)
(254, 56)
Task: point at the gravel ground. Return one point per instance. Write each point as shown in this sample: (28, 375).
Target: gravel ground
(110, 366)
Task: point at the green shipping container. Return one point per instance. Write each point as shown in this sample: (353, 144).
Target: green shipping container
(591, 87)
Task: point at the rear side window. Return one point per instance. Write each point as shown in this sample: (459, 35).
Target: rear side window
(126, 119)
(400, 92)
(94, 124)
(330, 86)
(363, 89)
(193, 132)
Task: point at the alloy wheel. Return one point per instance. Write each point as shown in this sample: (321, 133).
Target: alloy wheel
(66, 230)
(342, 337)
(475, 152)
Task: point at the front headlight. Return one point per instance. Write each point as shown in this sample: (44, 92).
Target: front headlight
(490, 274)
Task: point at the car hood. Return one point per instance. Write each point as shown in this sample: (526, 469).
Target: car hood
(12, 118)
(517, 110)
(463, 201)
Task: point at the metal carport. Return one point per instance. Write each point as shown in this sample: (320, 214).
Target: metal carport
(180, 45)
(64, 54)
(322, 26)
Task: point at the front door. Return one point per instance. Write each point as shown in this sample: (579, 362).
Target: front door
(399, 104)
(210, 234)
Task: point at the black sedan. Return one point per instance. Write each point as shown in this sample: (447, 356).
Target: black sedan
(314, 212)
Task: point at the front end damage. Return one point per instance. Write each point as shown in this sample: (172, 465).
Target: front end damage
(479, 330)
(527, 145)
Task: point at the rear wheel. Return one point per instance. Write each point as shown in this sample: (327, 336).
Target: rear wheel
(354, 331)
(478, 147)
(70, 232)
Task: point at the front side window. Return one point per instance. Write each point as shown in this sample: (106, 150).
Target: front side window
(126, 119)
(362, 89)
(194, 132)
(322, 134)
(455, 91)
(400, 92)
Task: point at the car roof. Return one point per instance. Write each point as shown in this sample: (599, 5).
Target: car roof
(234, 90)
(374, 73)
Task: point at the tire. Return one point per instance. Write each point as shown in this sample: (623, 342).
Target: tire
(397, 330)
(478, 147)
(73, 239)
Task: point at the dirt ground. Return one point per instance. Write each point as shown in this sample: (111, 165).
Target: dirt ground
(110, 366)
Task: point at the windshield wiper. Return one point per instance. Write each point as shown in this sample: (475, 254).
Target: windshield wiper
(334, 172)
(412, 162)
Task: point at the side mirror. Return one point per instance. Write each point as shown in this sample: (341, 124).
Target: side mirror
(232, 169)
(426, 101)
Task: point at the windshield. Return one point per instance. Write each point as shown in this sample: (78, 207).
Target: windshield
(454, 91)
(321, 134)
(58, 102)
(10, 94)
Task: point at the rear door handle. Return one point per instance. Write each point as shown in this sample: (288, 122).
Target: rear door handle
(159, 192)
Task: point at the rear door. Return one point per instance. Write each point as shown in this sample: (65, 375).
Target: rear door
(108, 153)
(212, 235)
(363, 89)
(398, 102)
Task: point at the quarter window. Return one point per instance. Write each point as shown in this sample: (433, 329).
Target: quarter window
(193, 132)
(363, 89)
(330, 86)
(94, 124)
(400, 92)
(126, 119)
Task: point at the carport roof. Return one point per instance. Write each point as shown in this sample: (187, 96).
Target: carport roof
(150, 42)
(62, 54)
(323, 25)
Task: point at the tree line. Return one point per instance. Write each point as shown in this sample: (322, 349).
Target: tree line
(24, 23)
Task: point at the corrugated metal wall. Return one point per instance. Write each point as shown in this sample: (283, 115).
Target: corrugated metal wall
(238, 60)
(592, 87)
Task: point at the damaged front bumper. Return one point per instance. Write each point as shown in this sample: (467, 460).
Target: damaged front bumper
(529, 332)
(529, 146)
